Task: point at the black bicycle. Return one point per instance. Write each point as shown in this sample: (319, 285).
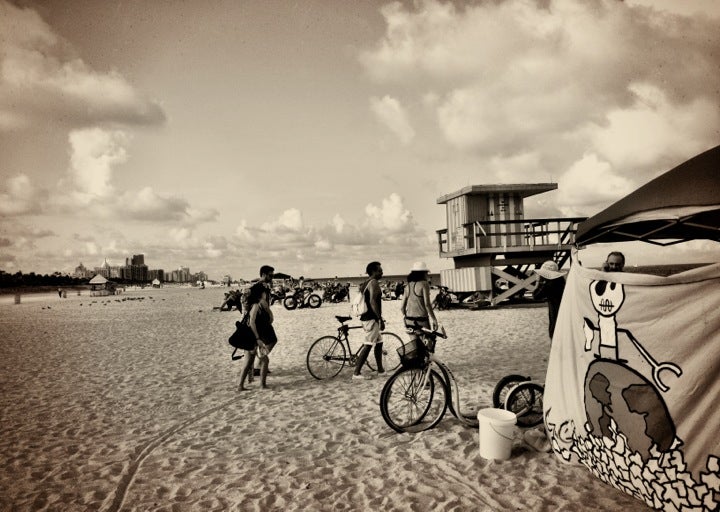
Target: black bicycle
(521, 395)
(328, 355)
(301, 298)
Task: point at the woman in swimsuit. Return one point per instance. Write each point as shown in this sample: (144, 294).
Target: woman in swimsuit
(416, 306)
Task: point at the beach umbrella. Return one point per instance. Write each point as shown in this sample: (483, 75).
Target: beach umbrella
(681, 204)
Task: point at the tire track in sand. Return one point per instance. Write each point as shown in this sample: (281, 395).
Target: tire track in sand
(127, 479)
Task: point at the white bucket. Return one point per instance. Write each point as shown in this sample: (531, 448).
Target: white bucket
(497, 429)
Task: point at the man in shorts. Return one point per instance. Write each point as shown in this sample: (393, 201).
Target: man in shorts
(372, 320)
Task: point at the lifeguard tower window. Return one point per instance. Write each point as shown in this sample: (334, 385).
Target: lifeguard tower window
(486, 226)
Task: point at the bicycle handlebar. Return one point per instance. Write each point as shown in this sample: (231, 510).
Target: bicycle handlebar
(439, 332)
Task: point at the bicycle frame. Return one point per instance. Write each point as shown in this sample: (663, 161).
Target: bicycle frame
(338, 350)
(453, 392)
(453, 395)
(343, 336)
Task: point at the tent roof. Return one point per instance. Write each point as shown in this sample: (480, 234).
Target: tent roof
(98, 279)
(682, 204)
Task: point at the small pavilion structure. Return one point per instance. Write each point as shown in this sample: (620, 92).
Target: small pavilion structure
(490, 241)
(100, 286)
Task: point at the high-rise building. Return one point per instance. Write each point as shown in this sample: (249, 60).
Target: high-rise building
(135, 269)
(158, 274)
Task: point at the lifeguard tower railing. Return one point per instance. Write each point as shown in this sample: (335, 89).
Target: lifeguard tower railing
(507, 236)
(517, 245)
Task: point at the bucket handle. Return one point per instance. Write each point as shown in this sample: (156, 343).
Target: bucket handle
(500, 433)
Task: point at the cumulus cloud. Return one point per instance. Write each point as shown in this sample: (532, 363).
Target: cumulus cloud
(388, 224)
(635, 137)
(290, 221)
(243, 232)
(149, 205)
(89, 186)
(589, 184)
(391, 113)
(94, 153)
(390, 217)
(561, 79)
(21, 197)
(41, 78)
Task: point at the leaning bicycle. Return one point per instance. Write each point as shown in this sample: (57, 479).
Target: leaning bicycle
(521, 395)
(328, 355)
(417, 396)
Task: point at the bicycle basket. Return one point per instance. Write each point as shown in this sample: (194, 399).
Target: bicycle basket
(413, 353)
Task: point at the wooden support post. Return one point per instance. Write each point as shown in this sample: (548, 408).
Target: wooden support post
(528, 283)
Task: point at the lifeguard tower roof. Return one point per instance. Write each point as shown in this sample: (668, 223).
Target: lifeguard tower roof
(524, 190)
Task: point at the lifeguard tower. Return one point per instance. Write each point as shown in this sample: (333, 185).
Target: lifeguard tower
(491, 241)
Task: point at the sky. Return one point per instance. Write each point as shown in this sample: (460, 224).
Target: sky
(317, 135)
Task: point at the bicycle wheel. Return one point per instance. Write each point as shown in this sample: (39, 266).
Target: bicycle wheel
(326, 357)
(289, 302)
(390, 358)
(314, 301)
(411, 403)
(526, 401)
(503, 386)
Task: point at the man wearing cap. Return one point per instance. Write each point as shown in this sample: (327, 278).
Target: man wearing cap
(416, 304)
(372, 320)
(551, 285)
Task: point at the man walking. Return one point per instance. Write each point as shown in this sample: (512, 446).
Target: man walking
(372, 320)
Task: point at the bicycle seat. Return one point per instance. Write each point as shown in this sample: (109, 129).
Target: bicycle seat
(343, 319)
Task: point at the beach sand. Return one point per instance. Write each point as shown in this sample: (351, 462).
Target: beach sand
(131, 403)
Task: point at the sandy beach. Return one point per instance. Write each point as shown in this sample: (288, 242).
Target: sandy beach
(131, 403)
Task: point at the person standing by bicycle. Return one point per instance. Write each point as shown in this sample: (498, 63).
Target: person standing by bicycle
(372, 320)
(417, 308)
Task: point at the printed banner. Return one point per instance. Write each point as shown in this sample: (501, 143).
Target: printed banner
(632, 389)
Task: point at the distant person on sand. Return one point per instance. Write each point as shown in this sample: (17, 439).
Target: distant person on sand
(416, 305)
(615, 262)
(550, 287)
(372, 319)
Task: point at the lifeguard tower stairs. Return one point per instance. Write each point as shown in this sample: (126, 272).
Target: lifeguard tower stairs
(493, 246)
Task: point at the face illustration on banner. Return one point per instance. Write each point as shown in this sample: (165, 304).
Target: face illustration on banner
(607, 297)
